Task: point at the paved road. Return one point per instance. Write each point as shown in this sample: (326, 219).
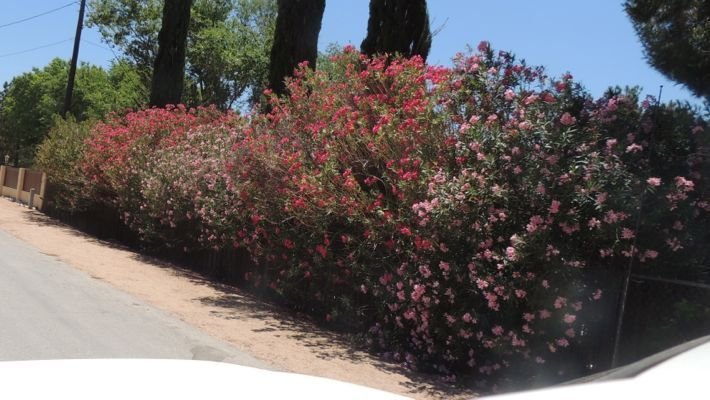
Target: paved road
(48, 310)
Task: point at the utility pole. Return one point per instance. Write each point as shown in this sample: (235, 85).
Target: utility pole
(74, 58)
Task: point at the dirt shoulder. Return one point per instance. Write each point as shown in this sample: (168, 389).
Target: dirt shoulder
(262, 330)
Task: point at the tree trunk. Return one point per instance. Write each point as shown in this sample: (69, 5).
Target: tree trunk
(398, 26)
(169, 67)
(295, 39)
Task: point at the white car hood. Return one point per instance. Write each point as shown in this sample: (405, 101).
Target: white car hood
(684, 376)
(166, 379)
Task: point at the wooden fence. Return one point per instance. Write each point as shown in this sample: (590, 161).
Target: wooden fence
(24, 185)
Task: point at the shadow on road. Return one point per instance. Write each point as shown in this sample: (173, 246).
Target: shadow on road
(233, 302)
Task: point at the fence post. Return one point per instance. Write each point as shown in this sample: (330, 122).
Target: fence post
(42, 188)
(3, 172)
(31, 201)
(20, 184)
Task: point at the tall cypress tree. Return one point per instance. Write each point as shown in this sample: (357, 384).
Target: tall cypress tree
(398, 26)
(676, 39)
(169, 67)
(298, 25)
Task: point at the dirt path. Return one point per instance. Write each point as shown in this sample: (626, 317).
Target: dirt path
(266, 332)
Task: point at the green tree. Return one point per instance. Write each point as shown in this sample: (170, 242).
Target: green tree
(676, 38)
(169, 67)
(228, 44)
(229, 54)
(60, 156)
(30, 101)
(398, 26)
(295, 39)
(131, 26)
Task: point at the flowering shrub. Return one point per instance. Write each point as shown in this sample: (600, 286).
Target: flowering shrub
(669, 145)
(317, 177)
(143, 164)
(460, 215)
(459, 211)
(456, 202)
(183, 189)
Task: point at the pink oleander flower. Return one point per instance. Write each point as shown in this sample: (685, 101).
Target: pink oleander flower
(674, 244)
(627, 233)
(467, 318)
(634, 148)
(410, 314)
(567, 119)
(651, 254)
(484, 46)
(492, 301)
(511, 253)
(685, 185)
(594, 223)
(601, 198)
(525, 125)
(535, 222)
(531, 99)
(418, 292)
(516, 342)
(560, 302)
(654, 181)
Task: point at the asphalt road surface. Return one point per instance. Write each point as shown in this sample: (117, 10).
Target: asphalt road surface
(48, 310)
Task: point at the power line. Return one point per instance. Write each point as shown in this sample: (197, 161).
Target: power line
(100, 46)
(36, 48)
(60, 42)
(19, 21)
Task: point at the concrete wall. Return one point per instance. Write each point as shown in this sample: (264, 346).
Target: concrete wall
(19, 182)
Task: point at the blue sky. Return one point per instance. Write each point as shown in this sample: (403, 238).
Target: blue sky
(593, 40)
